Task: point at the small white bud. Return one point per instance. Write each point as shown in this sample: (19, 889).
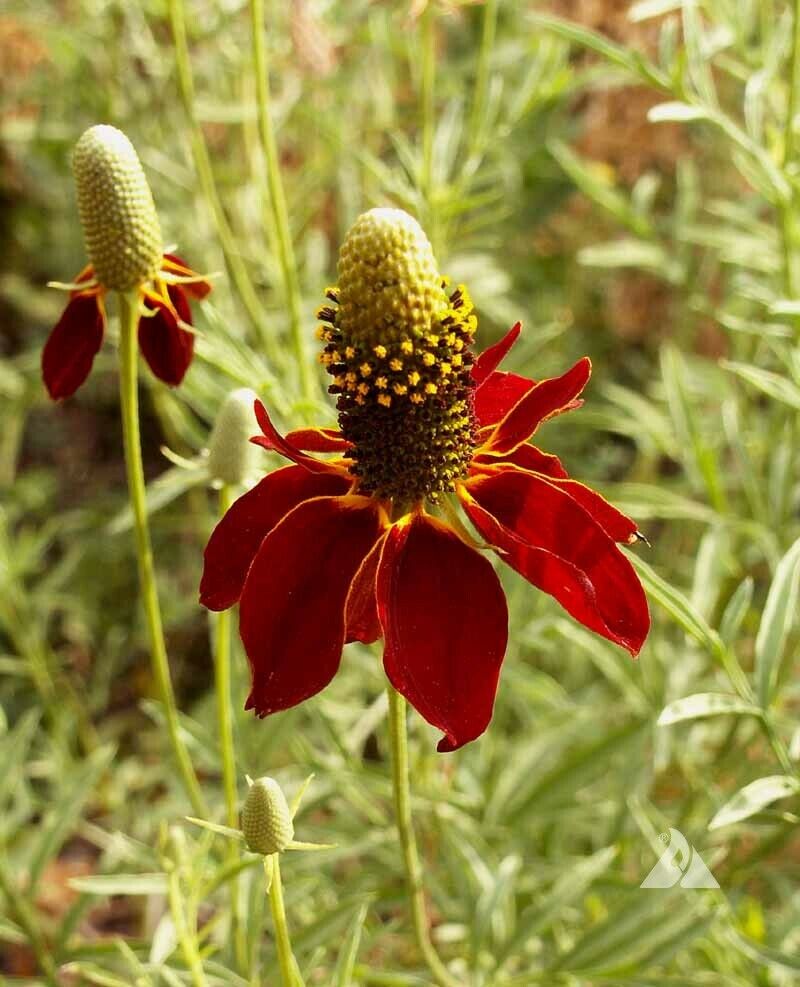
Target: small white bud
(230, 452)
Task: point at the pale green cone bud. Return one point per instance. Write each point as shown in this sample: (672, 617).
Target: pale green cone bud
(230, 451)
(267, 824)
(389, 287)
(118, 215)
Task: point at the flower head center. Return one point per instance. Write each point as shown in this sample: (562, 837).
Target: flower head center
(119, 219)
(398, 349)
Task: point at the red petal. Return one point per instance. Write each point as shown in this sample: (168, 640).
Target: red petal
(236, 539)
(176, 265)
(445, 623)
(547, 398)
(554, 543)
(164, 344)
(498, 395)
(275, 442)
(493, 356)
(361, 610)
(615, 524)
(70, 350)
(292, 609)
(527, 457)
(318, 440)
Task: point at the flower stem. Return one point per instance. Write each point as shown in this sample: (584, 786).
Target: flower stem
(402, 803)
(129, 399)
(202, 162)
(286, 959)
(277, 199)
(222, 683)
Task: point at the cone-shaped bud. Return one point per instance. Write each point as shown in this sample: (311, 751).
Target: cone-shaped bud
(119, 219)
(266, 820)
(230, 451)
(398, 349)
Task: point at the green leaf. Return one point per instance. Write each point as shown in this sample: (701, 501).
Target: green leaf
(227, 831)
(736, 611)
(676, 112)
(776, 621)
(753, 798)
(704, 704)
(130, 884)
(345, 964)
(777, 387)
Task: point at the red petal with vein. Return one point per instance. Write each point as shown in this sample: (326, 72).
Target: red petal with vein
(275, 442)
(361, 610)
(318, 440)
(445, 625)
(527, 457)
(493, 356)
(176, 265)
(555, 544)
(498, 395)
(70, 350)
(167, 347)
(547, 398)
(236, 539)
(615, 524)
(292, 609)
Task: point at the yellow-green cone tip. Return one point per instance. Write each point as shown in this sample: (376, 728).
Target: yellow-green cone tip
(230, 451)
(388, 282)
(266, 820)
(118, 215)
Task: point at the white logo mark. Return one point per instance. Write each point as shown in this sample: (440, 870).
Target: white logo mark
(679, 863)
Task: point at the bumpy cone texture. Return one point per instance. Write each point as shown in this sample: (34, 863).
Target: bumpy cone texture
(230, 451)
(119, 219)
(266, 820)
(398, 349)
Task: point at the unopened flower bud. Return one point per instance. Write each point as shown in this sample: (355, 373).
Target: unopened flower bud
(119, 219)
(230, 452)
(266, 820)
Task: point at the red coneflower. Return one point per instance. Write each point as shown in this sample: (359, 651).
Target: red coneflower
(368, 543)
(123, 240)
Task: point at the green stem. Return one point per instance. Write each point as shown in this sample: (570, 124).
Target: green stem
(428, 109)
(791, 274)
(482, 78)
(24, 915)
(129, 399)
(222, 683)
(277, 199)
(278, 909)
(205, 172)
(402, 803)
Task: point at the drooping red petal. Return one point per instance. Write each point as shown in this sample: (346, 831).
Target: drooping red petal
(493, 356)
(549, 397)
(275, 442)
(167, 347)
(553, 541)
(292, 608)
(361, 610)
(176, 265)
(318, 440)
(527, 457)
(615, 524)
(236, 539)
(498, 395)
(445, 625)
(70, 350)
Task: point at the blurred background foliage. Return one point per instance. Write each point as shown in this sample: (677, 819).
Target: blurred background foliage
(623, 179)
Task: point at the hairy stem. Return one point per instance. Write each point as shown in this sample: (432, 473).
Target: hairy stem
(282, 941)
(277, 200)
(129, 399)
(202, 162)
(222, 685)
(402, 804)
